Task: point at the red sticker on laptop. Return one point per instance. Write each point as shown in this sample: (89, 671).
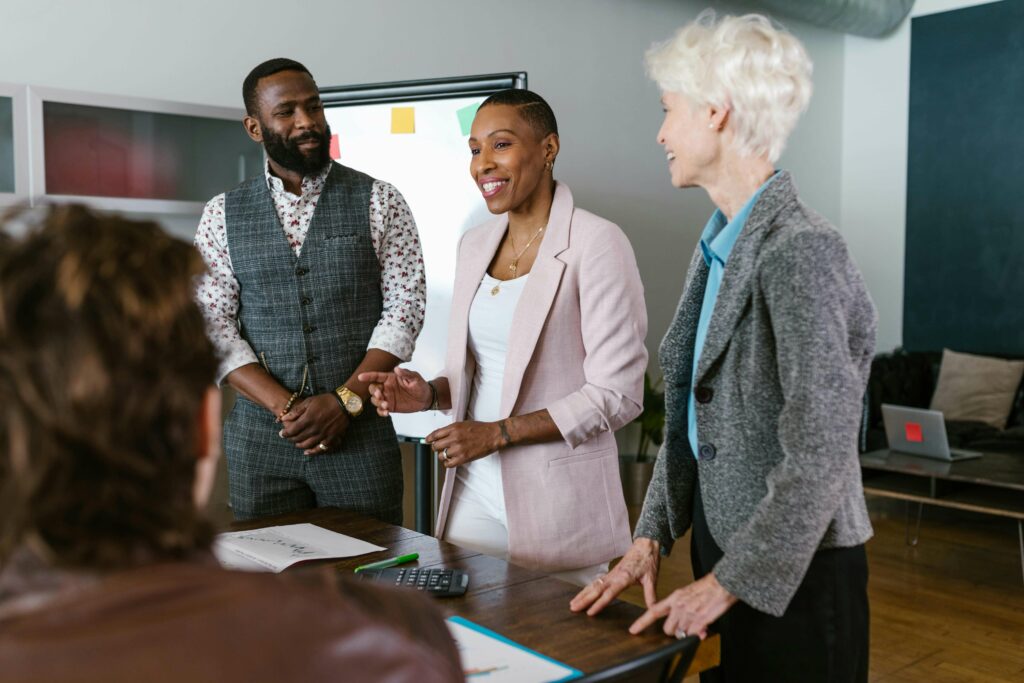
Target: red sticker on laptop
(913, 431)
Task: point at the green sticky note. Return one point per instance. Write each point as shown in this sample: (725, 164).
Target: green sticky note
(466, 115)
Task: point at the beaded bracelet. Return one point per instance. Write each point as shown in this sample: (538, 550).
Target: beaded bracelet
(287, 406)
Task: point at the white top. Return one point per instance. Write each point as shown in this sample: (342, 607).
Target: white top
(395, 240)
(490, 323)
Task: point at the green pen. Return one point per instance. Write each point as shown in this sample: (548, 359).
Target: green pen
(384, 564)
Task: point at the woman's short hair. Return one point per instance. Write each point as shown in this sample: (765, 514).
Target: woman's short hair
(533, 109)
(760, 71)
(104, 362)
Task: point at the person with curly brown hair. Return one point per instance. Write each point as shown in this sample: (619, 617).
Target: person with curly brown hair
(109, 439)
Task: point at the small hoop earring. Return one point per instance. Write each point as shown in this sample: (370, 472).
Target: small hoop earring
(549, 165)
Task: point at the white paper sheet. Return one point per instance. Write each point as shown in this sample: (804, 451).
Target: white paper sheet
(276, 548)
(488, 657)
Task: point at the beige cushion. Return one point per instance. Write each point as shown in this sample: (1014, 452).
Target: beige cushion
(977, 388)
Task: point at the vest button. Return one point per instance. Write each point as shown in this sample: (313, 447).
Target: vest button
(300, 271)
(703, 394)
(308, 328)
(311, 359)
(306, 301)
(707, 452)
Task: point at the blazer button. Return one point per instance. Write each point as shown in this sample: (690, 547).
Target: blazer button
(311, 359)
(308, 328)
(703, 394)
(301, 271)
(306, 301)
(707, 452)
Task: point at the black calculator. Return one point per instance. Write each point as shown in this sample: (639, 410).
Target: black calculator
(438, 581)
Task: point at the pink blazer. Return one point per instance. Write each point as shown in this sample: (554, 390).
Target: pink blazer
(577, 349)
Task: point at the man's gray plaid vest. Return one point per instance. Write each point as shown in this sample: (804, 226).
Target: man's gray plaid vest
(313, 315)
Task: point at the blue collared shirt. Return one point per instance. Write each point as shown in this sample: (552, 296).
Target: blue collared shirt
(716, 242)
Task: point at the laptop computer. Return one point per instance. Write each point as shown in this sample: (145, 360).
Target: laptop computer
(920, 432)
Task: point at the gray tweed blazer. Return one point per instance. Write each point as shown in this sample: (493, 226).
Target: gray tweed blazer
(779, 389)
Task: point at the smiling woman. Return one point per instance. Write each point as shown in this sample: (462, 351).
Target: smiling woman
(765, 367)
(545, 360)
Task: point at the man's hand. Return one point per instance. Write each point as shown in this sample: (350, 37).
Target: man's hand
(638, 565)
(688, 611)
(461, 442)
(313, 421)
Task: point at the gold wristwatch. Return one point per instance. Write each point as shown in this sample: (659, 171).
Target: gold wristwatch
(350, 400)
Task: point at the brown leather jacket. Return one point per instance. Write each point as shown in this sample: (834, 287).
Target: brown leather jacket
(192, 621)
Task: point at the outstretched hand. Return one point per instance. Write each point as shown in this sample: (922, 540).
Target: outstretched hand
(689, 610)
(638, 565)
(401, 391)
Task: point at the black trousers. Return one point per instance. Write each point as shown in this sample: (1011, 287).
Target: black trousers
(823, 635)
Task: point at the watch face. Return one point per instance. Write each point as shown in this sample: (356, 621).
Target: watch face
(353, 403)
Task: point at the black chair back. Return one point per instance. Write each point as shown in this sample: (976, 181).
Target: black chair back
(667, 665)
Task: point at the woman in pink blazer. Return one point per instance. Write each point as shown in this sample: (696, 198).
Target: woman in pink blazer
(545, 361)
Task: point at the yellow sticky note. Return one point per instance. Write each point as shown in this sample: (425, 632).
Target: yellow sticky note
(403, 119)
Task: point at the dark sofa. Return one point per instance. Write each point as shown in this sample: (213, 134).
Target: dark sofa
(908, 379)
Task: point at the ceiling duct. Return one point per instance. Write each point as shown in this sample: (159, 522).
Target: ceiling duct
(870, 18)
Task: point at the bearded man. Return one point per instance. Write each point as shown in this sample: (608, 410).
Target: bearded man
(315, 276)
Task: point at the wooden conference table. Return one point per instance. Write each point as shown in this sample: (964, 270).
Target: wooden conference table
(526, 606)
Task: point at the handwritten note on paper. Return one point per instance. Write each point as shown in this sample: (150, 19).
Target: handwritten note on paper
(278, 547)
(491, 657)
(403, 119)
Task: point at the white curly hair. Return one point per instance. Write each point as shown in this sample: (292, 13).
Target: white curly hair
(757, 69)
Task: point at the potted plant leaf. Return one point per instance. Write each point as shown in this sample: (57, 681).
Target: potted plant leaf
(637, 467)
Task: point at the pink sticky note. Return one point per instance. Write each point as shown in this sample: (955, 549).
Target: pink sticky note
(335, 147)
(913, 432)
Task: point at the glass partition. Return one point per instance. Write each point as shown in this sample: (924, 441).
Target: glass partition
(95, 151)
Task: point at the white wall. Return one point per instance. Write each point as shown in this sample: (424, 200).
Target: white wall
(585, 56)
(876, 97)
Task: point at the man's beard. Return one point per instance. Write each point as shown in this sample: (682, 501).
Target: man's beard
(286, 152)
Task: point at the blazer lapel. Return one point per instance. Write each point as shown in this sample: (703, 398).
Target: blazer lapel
(476, 259)
(734, 294)
(675, 354)
(537, 297)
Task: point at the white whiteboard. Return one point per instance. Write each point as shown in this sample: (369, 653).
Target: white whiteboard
(430, 167)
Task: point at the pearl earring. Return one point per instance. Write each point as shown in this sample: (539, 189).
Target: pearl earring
(711, 125)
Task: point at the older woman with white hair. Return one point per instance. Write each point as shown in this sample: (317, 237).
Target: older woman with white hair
(765, 364)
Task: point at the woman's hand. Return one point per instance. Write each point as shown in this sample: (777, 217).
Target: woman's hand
(461, 442)
(638, 565)
(401, 391)
(688, 611)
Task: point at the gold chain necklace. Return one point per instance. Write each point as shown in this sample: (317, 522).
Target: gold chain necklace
(514, 266)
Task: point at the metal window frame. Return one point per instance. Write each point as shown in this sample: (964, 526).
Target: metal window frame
(22, 168)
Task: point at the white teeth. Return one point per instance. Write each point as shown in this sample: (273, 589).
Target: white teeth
(493, 185)
(670, 156)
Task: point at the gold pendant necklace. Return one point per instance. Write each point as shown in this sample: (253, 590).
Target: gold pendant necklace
(513, 267)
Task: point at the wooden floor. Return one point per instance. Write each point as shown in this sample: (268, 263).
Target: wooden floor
(949, 609)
